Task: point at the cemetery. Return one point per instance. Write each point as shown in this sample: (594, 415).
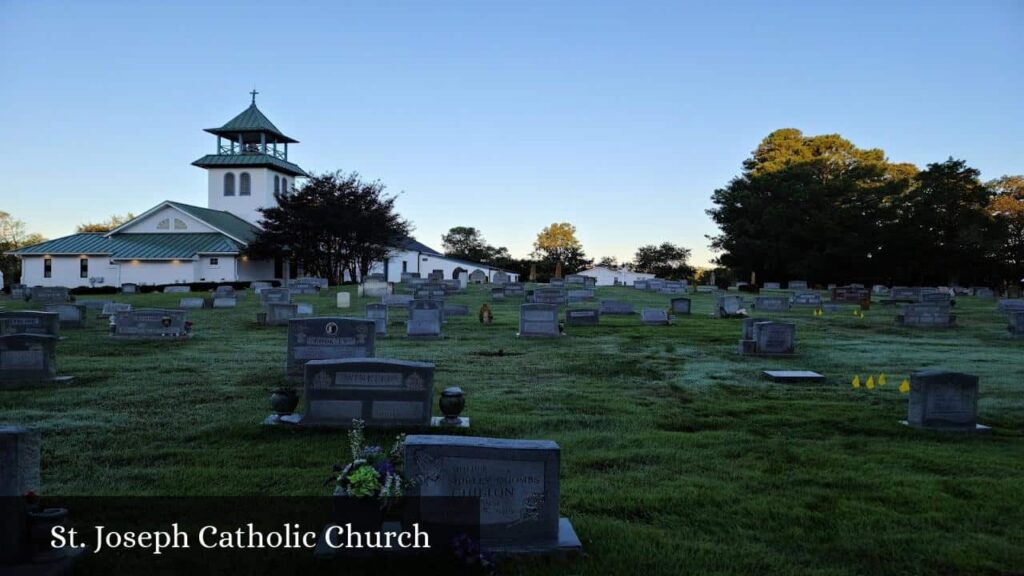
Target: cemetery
(546, 288)
(534, 399)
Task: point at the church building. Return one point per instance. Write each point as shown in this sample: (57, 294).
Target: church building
(175, 243)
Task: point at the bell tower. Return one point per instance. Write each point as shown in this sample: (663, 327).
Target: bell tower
(250, 165)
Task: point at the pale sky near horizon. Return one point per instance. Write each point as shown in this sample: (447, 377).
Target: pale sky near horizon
(621, 118)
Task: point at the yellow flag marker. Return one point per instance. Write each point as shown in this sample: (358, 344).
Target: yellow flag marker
(904, 386)
(881, 379)
(870, 383)
(856, 382)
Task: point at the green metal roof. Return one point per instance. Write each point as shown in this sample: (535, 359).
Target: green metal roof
(250, 120)
(224, 221)
(136, 246)
(249, 160)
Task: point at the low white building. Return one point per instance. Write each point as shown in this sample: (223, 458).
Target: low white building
(611, 277)
(175, 243)
(417, 258)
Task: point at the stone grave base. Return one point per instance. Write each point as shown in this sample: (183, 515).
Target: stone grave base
(169, 337)
(793, 376)
(50, 563)
(977, 428)
(295, 420)
(568, 545)
(539, 336)
(29, 383)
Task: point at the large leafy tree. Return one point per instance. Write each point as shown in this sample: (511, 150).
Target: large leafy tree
(13, 235)
(946, 231)
(664, 261)
(1007, 208)
(468, 243)
(107, 225)
(334, 223)
(791, 211)
(557, 244)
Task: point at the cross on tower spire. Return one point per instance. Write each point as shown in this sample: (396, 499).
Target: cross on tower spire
(254, 93)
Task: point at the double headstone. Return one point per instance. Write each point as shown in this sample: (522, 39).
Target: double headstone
(850, 295)
(654, 316)
(373, 288)
(771, 303)
(71, 315)
(112, 309)
(772, 286)
(380, 392)
(150, 324)
(425, 317)
(941, 400)
(30, 322)
(275, 296)
(549, 295)
(280, 313)
(579, 295)
(582, 317)
(673, 287)
(497, 293)
(538, 321)
(260, 286)
(615, 308)
(727, 306)
(1010, 305)
(797, 285)
(807, 299)
(325, 338)
(926, 315)
(514, 290)
(575, 280)
(176, 289)
(43, 295)
(516, 481)
(455, 310)
(28, 358)
(129, 288)
(768, 338)
(401, 301)
(191, 303)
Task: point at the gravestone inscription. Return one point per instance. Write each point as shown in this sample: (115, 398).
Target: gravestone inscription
(538, 321)
(942, 400)
(517, 482)
(425, 318)
(323, 338)
(582, 317)
(380, 392)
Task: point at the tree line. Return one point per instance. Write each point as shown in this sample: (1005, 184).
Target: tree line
(821, 209)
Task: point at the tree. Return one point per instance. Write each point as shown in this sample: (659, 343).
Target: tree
(665, 261)
(1007, 209)
(557, 244)
(106, 226)
(12, 237)
(610, 262)
(334, 223)
(468, 243)
(813, 207)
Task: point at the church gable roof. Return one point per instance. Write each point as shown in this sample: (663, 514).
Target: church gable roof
(171, 246)
(251, 120)
(227, 223)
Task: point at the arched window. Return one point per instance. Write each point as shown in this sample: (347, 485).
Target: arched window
(284, 185)
(229, 184)
(277, 184)
(244, 184)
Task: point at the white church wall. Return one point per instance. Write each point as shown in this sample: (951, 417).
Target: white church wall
(216, 268)
(424, 264)
(245, 207)
(155, 272)
(250, 270)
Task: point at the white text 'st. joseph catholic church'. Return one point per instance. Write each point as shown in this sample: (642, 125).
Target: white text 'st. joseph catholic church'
(175, 243)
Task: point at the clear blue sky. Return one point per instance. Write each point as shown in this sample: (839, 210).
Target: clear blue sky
(621, 118)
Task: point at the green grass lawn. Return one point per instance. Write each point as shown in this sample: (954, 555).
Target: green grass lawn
(676, 457)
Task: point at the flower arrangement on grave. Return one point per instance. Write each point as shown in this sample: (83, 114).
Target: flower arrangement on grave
(372, 471)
